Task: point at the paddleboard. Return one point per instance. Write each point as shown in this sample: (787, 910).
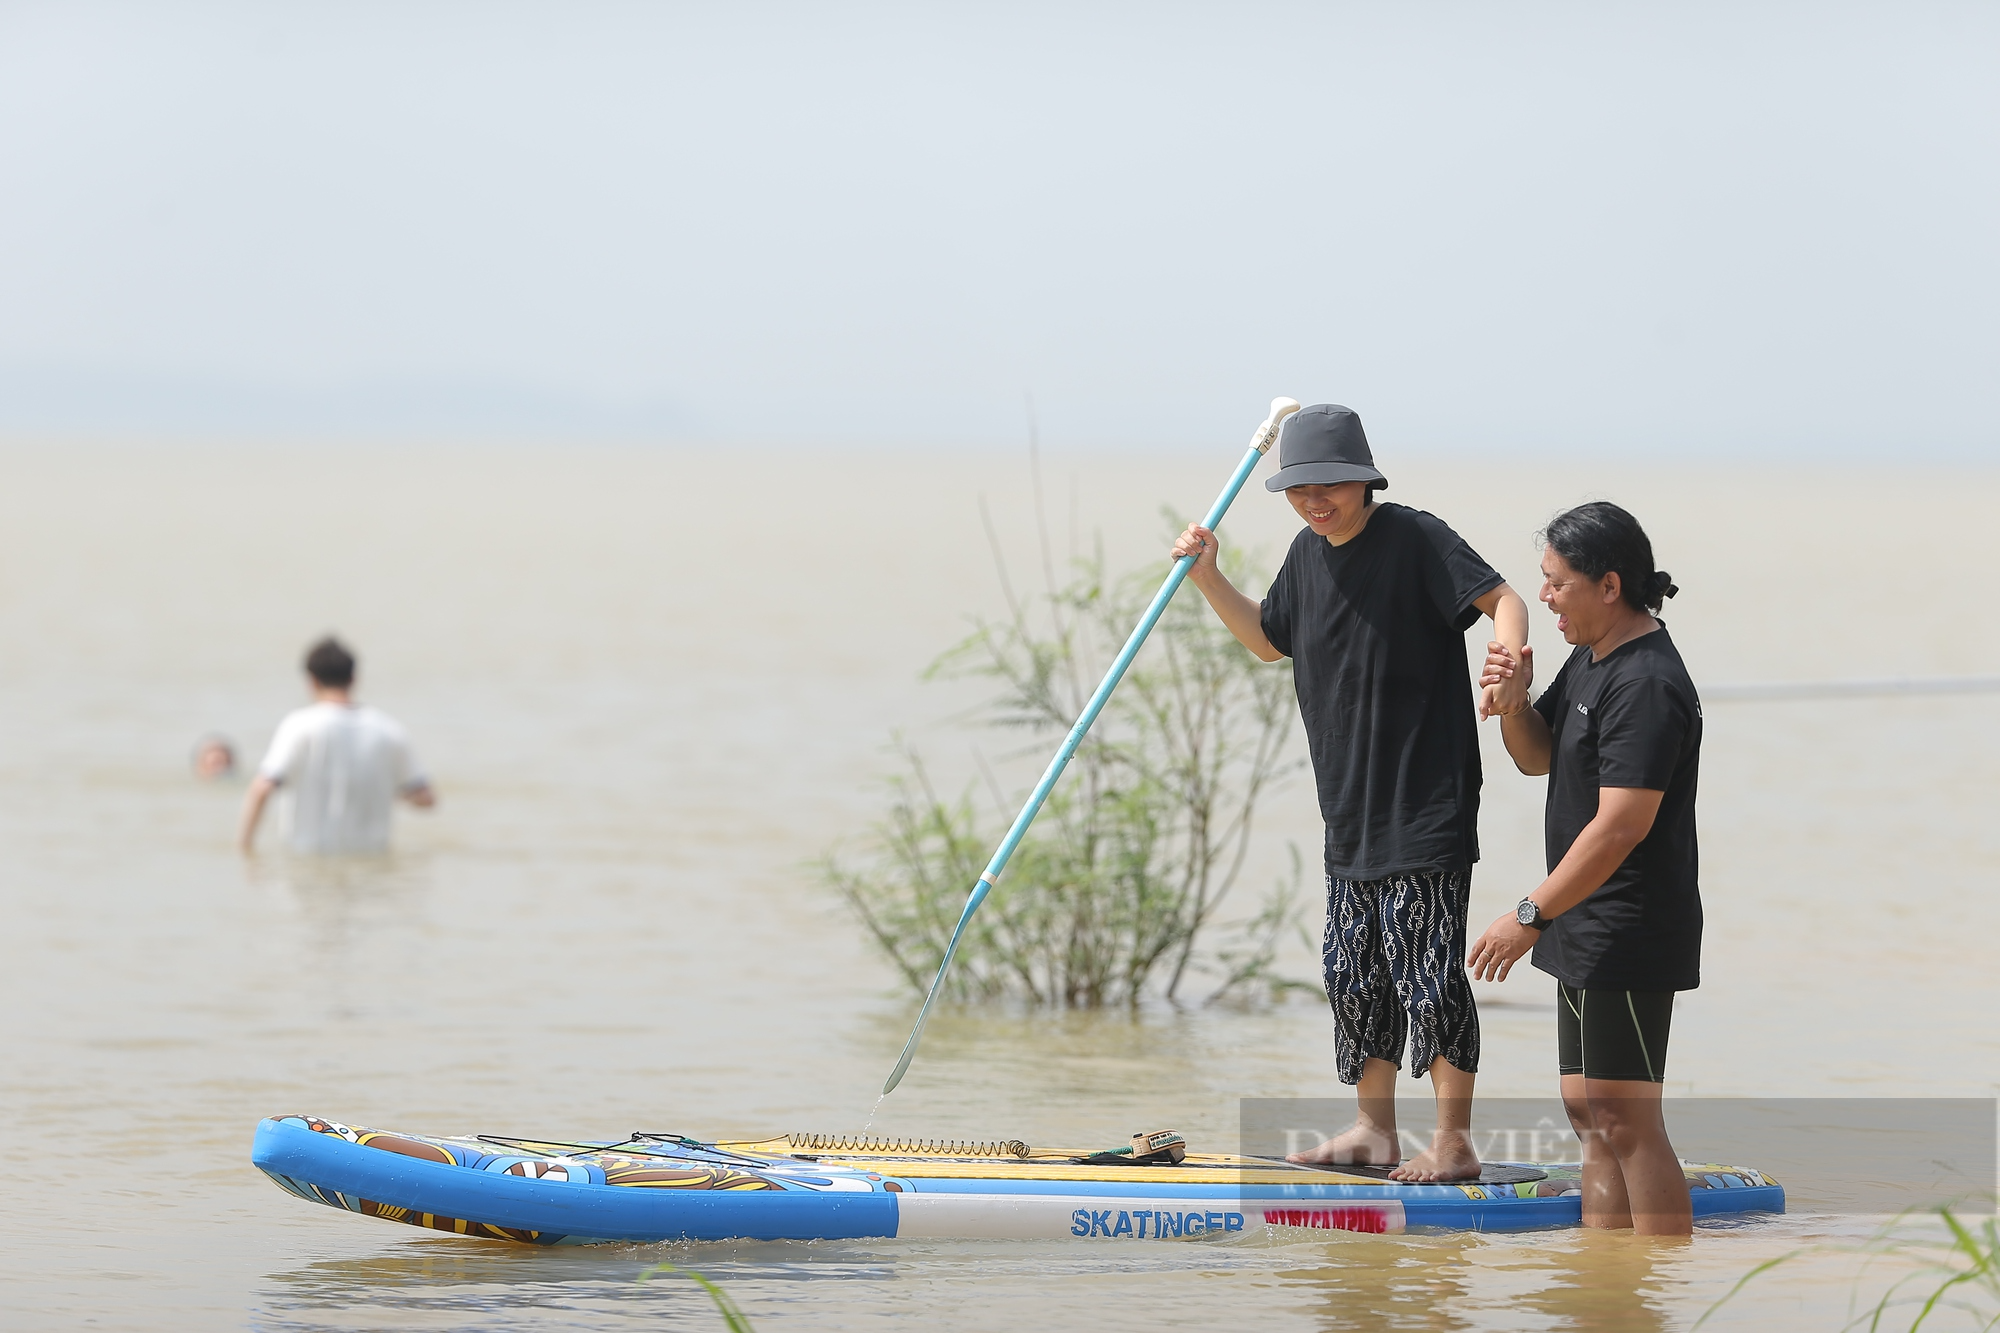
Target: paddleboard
(661, 1187)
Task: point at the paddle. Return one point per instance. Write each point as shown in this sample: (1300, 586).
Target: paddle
(1259, 443)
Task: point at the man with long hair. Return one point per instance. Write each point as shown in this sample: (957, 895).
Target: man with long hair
(1618, 920)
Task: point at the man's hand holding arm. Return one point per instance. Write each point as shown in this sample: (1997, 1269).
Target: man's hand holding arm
(1624, 817)
(1243, 615)
(1526, 733)
(1506, 694)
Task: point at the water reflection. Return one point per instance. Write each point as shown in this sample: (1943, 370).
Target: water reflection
(1606, 1282)
(1591, 1283)
(1586, 1282)
(493, 1286)
(356, 918)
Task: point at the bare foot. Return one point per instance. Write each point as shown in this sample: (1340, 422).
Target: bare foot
(1359, 1145)
(1450, 1157)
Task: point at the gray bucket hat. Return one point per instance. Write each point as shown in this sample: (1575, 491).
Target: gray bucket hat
(1323, 445)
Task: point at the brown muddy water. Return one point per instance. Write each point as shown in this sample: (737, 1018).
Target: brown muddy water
(653, 687)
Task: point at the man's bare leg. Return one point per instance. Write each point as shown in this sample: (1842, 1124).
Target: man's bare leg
(1451, 1155)
(1371, 1139)
(1628, 1117)
(1631, 1175)
(1605, 1203)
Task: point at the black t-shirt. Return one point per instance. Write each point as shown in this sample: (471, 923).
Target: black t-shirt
(1630, 720)
(1375, 629)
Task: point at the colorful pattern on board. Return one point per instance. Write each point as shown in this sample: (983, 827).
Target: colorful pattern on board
(595, 1168)
(475, 1155)
(457, 1226)
(1567, 1178)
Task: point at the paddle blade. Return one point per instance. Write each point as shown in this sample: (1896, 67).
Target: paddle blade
(923, 1016)
(909, 1049)
(972, 901)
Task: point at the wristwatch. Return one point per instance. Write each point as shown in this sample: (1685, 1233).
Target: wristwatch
(1529, 913)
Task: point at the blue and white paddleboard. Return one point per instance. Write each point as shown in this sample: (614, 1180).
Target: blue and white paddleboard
(656, 1187)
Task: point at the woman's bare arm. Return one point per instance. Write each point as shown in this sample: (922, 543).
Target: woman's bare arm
(1509, 614)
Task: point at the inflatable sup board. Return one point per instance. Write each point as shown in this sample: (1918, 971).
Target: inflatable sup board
(658, 1187)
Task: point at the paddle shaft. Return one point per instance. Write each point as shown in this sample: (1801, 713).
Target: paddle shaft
(1264, 437)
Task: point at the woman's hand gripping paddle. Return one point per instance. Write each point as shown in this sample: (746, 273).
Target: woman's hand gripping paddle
(1266, 435)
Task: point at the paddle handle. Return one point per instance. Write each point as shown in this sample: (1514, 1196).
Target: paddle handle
(1265, 435)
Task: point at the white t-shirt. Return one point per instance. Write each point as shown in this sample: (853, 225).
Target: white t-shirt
(339, 768)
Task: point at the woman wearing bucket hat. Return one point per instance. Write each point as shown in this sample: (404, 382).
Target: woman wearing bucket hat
(1371, 605)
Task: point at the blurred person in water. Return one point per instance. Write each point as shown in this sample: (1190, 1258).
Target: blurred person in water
(1372, 604)
(1618, 920)
(339, 766)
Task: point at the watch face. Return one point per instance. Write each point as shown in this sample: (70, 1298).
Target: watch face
(1526, 912)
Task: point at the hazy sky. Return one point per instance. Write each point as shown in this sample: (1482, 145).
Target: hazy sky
(1737, 228)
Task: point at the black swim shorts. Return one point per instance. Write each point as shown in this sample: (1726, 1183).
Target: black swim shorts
(1619, 1034)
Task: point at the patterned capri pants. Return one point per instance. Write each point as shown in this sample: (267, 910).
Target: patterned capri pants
(1395, 968)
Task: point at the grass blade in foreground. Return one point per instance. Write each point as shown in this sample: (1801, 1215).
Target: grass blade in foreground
(733, 1317)
(1266, 435)
(1961, 1271)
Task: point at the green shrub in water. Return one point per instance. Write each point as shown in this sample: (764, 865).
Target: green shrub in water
(1119, 882)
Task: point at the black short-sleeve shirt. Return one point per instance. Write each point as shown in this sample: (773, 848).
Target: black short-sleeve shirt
(1631, 719)
(1375, 629)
